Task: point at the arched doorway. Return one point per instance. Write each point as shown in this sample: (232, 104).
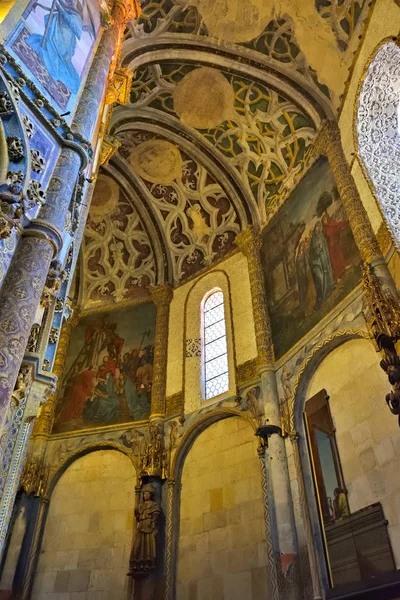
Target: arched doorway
(88, 533)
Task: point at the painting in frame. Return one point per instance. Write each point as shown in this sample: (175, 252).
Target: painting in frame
(54, 41)
(309, 256)
(108, 371)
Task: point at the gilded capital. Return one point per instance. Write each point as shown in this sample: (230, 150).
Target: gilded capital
(162, 294)
(247, 241)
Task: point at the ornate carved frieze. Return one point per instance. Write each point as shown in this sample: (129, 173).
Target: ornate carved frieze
(119, 88)
(15, 148)
(109, 147)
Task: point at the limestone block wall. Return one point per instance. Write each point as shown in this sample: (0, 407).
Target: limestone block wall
(88, 534)
(368, 435)
(231, 275)
(222, 549)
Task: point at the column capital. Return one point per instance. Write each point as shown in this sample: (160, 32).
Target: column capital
(248, 241)
(162, 294)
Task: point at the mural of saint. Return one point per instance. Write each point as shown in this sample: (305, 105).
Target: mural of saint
(309, 256)
(54, 41)
(109, 370)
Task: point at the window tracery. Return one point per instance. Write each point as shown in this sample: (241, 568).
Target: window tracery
(215, 352)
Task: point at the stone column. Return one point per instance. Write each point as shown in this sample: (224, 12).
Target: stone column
(27, 584)
(285, 545)
(312, 556)
(42, 239)
(329, 144)
(162, 296)
(169, 543)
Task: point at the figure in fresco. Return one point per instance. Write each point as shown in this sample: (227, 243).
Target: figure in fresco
(147, 515)
(110, 378)
(320, 264)
(81, 390)
(56, 47)
(332, 231)
(301, 270)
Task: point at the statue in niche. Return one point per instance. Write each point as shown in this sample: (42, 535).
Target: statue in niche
(144, 552)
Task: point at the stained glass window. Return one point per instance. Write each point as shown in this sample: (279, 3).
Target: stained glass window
(215, 348)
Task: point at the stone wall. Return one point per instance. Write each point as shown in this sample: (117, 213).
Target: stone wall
(88, 535)
(222, 548)
(232, 277)
(368, 435)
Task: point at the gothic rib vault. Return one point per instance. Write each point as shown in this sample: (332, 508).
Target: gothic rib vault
(217, 133)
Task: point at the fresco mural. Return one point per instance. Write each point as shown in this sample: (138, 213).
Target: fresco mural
(54, 40)
(310, 259)
(109, 370)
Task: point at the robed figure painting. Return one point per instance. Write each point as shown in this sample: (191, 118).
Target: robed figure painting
(309, 256)
(109, 370)
(54, 41)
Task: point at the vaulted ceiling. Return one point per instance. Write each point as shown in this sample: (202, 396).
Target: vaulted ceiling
(226, 100)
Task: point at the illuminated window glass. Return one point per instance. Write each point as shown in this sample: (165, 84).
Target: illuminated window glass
(215, 348)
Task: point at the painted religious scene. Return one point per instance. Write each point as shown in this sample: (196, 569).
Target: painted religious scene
(109, 370)
(55, 40)
(310, 259)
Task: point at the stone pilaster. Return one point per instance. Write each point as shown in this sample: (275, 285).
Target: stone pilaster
(162, 296)
(249, 244)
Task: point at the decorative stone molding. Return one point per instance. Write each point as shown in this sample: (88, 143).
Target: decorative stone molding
(162, 296)
(249, 244)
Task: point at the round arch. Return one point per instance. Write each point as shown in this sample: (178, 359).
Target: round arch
(377, 131)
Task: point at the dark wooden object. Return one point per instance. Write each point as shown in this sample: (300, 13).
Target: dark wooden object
(359, 546)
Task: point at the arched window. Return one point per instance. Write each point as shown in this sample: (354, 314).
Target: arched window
(215, 352)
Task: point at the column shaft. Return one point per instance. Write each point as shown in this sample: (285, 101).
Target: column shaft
(249, 244)
(162, 296)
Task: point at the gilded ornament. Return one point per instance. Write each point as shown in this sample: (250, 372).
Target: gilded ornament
(22, 385)
(119, 88)
(249, 244)
(162, 296)
(46, 365)
(34, 477)
(109, 147)
(33, 340)
(53, 335)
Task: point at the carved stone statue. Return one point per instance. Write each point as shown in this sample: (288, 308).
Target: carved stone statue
(22, 385)
(144, 552)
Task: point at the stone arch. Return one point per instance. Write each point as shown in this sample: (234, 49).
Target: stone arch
(377, 131)
(177, 466)
(299, 397)
(83, 451)
(87, 531)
